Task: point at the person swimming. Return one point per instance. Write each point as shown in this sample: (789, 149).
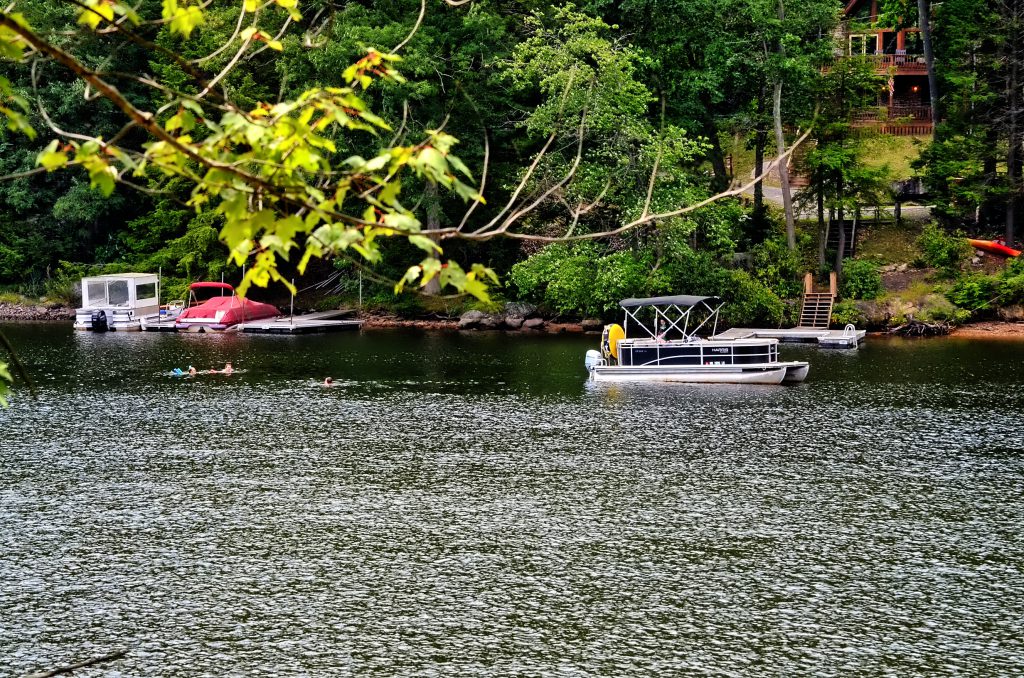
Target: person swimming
(191, 371)
(228, 369)
(328, 383)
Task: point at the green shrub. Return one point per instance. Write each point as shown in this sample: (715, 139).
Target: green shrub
(777, 267)
(531, 277)
(943, 251)
(578, 280)
(571, 290)
(935, 307)
(974, 293)
(861, 279)
(847, 312)
(749, 302)
(619, 275)
(64, 285)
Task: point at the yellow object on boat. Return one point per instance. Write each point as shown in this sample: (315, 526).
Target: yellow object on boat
(613, 334)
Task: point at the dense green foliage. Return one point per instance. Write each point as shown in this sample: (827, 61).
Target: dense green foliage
(586, 280)
(981, 294)
(861, 280)
(943, 251)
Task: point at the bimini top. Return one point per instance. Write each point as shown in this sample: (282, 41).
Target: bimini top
(677, 300)
(211, 285)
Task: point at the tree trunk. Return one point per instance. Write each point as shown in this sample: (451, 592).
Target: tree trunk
(715, 154)
(780, 143)
(924, 21)
(841, 249)
(760, 142)
(822, 228)
(780, 146)
(433, 209)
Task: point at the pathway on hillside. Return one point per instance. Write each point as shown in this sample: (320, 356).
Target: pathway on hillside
(913, 212)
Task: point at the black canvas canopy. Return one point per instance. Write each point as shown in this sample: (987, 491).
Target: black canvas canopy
(683, 300)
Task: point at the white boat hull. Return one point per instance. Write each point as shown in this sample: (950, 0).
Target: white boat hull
(766, 373)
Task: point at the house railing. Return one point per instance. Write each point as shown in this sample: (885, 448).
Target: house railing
(902, 64)
(897, 112)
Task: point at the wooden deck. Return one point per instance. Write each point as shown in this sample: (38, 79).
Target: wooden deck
(823, 337)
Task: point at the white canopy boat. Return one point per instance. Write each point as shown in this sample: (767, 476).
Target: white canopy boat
(117, 302)
(657, 344)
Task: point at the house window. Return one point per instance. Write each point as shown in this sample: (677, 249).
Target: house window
(862, 44)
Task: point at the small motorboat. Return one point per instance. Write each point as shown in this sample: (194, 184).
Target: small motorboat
(214, 307)
(993, 247)
(663, 347)
(117, 302)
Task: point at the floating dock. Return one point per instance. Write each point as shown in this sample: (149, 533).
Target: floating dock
(845, 338)
(311, 323)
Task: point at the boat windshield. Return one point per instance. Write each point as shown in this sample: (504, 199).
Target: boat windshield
(669, 318)
(200, 293)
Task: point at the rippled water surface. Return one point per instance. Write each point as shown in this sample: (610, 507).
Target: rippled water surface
(470, 505)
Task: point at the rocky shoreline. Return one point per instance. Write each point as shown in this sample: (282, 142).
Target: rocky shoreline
(514, 318)
(41, 311)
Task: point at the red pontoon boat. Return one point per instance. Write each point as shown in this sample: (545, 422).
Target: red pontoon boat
(219, 312)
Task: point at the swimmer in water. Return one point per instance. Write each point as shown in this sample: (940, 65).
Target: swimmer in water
(328, 382)
(191, 371)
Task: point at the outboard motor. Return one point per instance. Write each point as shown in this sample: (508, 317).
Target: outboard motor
(99, 321)
(593, 359)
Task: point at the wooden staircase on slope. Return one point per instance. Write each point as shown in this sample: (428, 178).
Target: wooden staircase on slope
(816, 311)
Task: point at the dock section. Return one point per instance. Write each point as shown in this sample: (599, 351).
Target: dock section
(826, 338)
(311, 323)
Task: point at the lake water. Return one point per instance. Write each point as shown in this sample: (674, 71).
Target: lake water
(470, 505)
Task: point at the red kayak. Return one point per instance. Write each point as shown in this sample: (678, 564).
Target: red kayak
(219, 312)
(993, 247)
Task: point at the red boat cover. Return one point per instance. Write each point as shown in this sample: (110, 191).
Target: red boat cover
(236, 310)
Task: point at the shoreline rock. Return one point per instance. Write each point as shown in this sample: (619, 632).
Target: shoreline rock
(41, 311)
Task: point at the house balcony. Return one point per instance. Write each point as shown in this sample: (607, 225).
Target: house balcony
(899, 64)
(900, 119)
(892, 64)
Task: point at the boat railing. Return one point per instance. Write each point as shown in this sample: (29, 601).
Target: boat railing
(707, 354)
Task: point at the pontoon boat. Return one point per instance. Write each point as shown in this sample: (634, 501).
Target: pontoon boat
(658, 344)
(117, 302)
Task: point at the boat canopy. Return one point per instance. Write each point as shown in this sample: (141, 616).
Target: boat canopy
(209, 285)
(669, 318)
(683, 300)
(123, 290)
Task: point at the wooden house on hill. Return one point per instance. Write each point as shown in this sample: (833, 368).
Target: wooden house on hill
(904, 106)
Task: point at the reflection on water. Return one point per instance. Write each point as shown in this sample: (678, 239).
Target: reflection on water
(471, 505)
